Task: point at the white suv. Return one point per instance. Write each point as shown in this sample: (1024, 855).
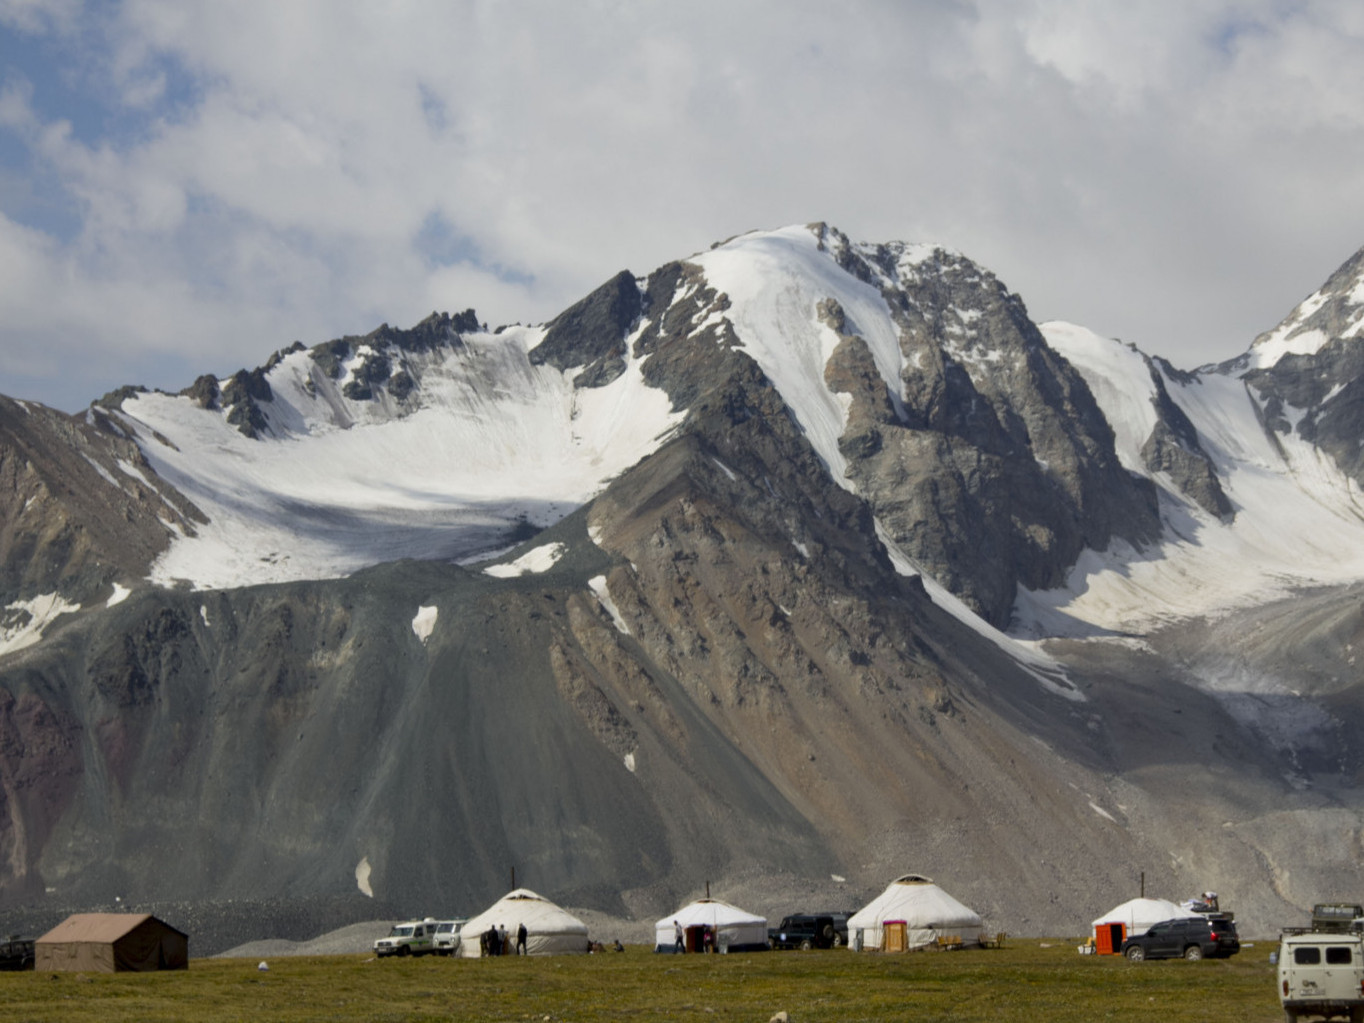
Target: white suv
(447, 936)
(413, 938)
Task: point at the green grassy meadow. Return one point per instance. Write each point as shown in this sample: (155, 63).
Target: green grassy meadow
(1029, 980)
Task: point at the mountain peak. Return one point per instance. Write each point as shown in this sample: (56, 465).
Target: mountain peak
(1334, 312)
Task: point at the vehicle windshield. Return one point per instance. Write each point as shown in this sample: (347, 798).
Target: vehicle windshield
(401, 932)
(445, 928)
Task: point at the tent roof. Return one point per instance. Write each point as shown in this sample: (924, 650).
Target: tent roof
(100, 927)
(523, 906)
(1142, 913)
(710, 911)
(917, 901)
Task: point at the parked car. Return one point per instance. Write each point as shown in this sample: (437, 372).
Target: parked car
(16, 953)
(1195, 937)
(448, 936)
(810, 930)
(412, 938)
(1321, 973)
(1337, 917)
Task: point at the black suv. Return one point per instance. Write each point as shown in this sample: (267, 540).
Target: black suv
(810, 930)
(16, 953)
(1190, 937)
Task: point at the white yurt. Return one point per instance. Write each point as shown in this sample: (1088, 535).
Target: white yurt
(911, 913)
(1135, 916)
(734, 928)
(549, 929)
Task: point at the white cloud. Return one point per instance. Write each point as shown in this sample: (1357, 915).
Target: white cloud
(1179, 174)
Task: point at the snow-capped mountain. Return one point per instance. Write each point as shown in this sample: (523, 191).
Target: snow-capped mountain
(799, 552)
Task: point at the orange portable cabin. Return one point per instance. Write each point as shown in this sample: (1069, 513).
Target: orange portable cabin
(111, 942)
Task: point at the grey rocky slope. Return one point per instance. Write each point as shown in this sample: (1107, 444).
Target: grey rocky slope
(725, 676)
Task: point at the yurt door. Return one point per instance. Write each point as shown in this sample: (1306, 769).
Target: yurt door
(893, 938)
(1108, 938)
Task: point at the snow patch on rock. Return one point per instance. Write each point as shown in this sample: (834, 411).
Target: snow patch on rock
(424, 622)
(597, 584)
(23, 622)
(537, 559)
(1028, 655)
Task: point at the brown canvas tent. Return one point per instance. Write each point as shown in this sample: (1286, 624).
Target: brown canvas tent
(109, 942)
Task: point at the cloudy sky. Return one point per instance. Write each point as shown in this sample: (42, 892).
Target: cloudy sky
(186, 187)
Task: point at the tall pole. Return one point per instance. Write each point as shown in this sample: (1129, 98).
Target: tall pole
(1143, 884)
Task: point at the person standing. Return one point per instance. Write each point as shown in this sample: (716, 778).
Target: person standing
(679, 939)
(521, 939)
(502, 938)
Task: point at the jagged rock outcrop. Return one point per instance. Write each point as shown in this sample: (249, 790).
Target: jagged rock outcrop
(591, 333)
(1174, 449)
(80, 507)
(997, 468)
(1308, 373)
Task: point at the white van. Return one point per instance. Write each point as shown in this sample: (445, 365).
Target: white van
(412, 938)
(1321, 974)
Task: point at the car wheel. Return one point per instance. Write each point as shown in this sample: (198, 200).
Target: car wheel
(403, 950)
(1135, 953)
(838, 941)
(1193, 953)
(806, 945)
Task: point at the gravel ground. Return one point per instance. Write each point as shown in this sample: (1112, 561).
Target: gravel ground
(343, 941)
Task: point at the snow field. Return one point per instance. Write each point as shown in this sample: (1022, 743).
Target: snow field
(775, 280)
(1298, 520)
(494, 439)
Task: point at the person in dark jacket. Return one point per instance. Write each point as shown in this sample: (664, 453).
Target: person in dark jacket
(521, 939)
